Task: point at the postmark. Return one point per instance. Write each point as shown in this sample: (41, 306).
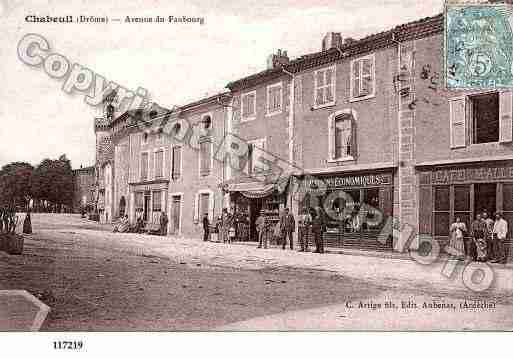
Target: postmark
(478, 46)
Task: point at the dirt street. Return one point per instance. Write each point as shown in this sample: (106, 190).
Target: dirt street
(95, 280)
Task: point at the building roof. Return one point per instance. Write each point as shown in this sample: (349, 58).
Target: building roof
(413, 30)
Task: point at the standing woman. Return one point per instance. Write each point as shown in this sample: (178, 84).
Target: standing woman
(457, 231)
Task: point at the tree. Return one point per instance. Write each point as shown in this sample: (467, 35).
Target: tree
(15, 184)
(53, 181)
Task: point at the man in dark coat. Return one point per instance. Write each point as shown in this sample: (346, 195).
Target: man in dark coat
(477, 234)
(206, 227)
(287, 228)
(163, 224)
(318, 227)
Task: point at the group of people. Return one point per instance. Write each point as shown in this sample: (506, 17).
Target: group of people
(312, 221)
(124, 225)
(484, 242)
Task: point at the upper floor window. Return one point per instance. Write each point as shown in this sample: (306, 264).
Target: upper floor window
(205, 158)
(159, 163)
(342, 137)
(248, 106)
(363, 78)
(176, 170)
(325, 87)
(481, 118)
(274, 98)
(144, 166)
(145, 138)
(255, 149)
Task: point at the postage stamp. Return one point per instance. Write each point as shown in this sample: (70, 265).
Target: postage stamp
(478, 46)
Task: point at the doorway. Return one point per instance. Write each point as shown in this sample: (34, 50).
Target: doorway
(255, 206)
(176, 214)
(485, 198)
(147, 201)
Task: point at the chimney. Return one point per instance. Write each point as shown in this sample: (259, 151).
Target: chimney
(276, 60)
(331, 40)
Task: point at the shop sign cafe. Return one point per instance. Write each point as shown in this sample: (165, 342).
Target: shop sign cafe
(472, 174)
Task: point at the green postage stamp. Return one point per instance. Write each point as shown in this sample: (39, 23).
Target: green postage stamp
(478, 45)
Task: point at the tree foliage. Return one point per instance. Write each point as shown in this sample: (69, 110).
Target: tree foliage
(53, 181)
(15, 184)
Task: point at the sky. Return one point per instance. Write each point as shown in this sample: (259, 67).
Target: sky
(176, 63)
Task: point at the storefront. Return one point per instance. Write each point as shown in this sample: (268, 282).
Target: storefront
(248, 200)
(357, 207)
(449, 192)
(149, 200)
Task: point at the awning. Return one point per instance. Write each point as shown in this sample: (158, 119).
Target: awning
(257, 189)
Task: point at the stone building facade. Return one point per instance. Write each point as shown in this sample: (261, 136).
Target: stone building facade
(84, 179)
(362, 124)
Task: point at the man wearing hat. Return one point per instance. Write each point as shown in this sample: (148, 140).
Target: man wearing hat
(500, 231)
(260, 226)
(287, 226)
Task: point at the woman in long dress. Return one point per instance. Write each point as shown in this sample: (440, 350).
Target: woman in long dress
(457, 231)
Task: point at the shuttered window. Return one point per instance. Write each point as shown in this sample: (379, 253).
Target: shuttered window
(248, 106)
(457, 110)
(159, 164)
(325, 86)
(274, 98)
(505, 116)
(177, 162)
(144, 166)
(205, 158)
(362, 78)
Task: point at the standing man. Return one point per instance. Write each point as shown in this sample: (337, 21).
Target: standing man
(287, 228)
(260, 226)
(500, 231)
(477, 246)
(206, 227)
(163, 224)
(489, 235)
(305, 220)
(317, 229)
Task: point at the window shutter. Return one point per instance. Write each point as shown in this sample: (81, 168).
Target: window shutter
(332, 134)
(319, 88)
(458, 125)
(356, 79)
(298, 89)
(367, 77)
(506, 124)
(353, 137)
(195, 208)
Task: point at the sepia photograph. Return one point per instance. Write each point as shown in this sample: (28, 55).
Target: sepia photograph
(255, 166)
